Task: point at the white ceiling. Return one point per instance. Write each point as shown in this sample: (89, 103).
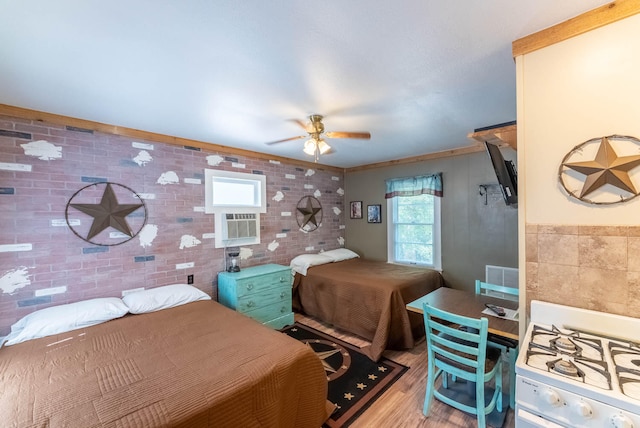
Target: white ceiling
(418, 74)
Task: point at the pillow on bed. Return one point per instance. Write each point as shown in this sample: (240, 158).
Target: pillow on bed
(303, 262)
(168, 296)
(340, 254)
(63, 318)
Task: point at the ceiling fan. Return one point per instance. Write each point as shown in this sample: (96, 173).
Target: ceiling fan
(316, 145)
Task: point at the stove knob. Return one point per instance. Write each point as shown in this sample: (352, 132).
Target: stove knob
(551, 397)
(621, 421)
(583, 409)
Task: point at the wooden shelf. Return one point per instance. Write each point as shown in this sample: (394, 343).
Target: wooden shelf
(503, 136)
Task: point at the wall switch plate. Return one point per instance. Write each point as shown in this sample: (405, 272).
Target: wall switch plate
(190, 279)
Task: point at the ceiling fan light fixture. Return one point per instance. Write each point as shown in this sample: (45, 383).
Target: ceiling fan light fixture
(310, 147)
(323, 147)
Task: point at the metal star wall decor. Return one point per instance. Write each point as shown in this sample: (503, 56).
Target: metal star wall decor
(609, 177)
(307, 212)
(108, 213)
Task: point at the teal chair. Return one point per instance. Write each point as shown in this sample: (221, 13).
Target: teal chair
(457, 346)
(496, 291)
(508, 347)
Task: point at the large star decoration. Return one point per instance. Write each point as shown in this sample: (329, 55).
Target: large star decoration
(108, 213)
(309, 213)
(606, 168)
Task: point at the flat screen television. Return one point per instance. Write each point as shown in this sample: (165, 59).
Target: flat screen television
(506, 174)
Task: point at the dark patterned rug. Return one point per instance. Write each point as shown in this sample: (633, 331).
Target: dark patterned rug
(355, 382)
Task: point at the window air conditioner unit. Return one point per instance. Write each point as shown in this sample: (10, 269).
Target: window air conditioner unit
(240, 227)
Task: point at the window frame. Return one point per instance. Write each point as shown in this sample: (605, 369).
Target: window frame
(437, 233)
(258, 181)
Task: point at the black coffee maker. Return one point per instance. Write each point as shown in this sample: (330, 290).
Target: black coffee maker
(232, 257)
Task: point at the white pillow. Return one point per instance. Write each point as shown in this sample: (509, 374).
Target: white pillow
(303, 262)
(340, 254)
(168, 296)
(63, 318)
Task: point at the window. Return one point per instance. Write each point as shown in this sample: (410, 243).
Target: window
(236, 199)
(414, 230)
(234, 192)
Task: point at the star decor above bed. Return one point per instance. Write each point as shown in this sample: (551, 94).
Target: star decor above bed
(604, 169)
(307, 212)
(108, 213)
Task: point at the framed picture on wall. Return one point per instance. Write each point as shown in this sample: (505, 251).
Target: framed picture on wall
(356, 209)
(374, 214)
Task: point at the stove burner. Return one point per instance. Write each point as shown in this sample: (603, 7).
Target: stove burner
(626, 364)
(564, 343)
(570, 354)
(565, 368)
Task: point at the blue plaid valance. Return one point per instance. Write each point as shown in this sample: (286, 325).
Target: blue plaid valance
(412, 186)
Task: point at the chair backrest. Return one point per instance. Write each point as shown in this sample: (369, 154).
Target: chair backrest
(456, 344)
(499, 291)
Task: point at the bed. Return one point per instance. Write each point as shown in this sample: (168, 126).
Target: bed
(364, 297)
(198, 364)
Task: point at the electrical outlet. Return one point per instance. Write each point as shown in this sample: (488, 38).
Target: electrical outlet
(190, 279)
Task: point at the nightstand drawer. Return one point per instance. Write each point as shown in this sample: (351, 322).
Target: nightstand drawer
(270, 312)
(258, 284)
(265, 298)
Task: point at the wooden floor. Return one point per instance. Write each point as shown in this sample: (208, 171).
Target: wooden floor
(401, 405)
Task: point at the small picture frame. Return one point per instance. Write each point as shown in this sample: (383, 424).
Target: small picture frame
(374, 213)
(356, 209)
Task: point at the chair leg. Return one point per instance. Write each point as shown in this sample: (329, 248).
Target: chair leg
(482, 417)
(428, 398)
(513, 354)
(499, 388)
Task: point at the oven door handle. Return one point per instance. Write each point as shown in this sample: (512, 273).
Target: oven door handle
(527, 419)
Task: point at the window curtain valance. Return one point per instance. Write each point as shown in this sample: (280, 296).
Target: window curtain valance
(412, 186)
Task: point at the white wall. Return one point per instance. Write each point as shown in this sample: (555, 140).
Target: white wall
(582, 88)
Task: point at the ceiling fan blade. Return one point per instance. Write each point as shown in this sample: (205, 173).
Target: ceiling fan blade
(363, 135)
(287, 139)
(301, 124)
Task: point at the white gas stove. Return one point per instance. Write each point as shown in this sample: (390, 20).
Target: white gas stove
(578, 368)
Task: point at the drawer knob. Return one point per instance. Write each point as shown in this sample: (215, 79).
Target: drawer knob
(249, 286)
(282, 294)
(283, 279)
(251, 304)
(283, 310)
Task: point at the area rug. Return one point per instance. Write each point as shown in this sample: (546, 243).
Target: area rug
(355, 382)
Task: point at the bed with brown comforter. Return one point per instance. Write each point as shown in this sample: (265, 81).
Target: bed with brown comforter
(367, 298)
(195, 365)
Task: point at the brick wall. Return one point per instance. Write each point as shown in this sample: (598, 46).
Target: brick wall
(43, 165)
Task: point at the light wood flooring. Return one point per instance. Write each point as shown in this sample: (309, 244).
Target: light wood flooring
(401, 405)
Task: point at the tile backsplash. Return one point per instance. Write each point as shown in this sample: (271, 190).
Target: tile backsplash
(591, 267)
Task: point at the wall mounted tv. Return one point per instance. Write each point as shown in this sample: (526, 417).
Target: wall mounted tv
(506, 174)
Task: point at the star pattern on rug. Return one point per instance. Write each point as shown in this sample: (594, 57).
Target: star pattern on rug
(359, 387)
(606, 168)
(108, 213)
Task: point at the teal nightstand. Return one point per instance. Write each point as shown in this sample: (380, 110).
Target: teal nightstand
(260, 292)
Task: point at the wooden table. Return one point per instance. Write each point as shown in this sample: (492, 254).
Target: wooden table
(470, 305)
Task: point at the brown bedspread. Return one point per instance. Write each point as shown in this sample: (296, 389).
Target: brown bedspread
(367, 298)
(196, 365)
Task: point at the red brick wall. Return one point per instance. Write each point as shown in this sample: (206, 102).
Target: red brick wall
(31, 200)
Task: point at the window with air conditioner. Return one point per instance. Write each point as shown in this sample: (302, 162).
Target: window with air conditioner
(236, 199)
